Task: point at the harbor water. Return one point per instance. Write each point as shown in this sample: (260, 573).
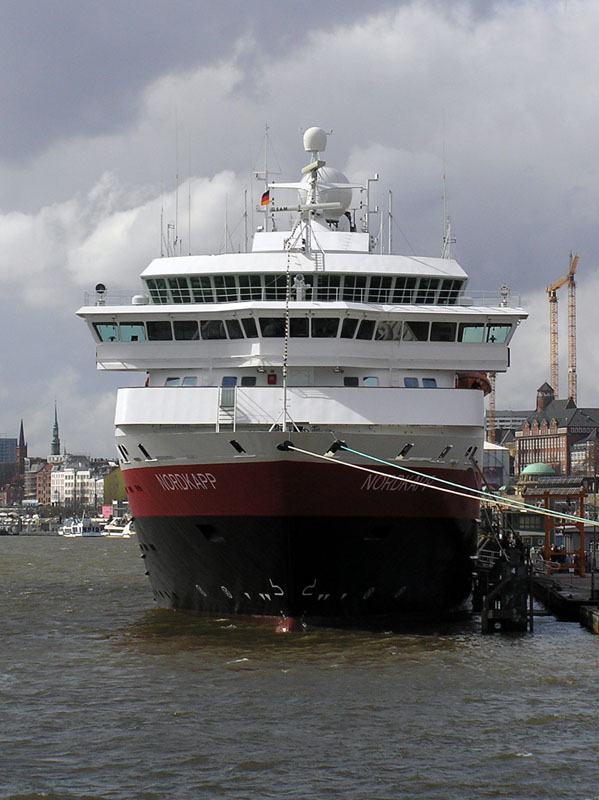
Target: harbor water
(104, 696)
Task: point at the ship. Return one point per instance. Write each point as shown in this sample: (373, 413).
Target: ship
(305, 444)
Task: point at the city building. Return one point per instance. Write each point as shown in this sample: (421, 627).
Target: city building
(43, 485)
(76, 483)
(8, 450)
(552, 430)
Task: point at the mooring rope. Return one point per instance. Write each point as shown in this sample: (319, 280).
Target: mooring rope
(459, 490)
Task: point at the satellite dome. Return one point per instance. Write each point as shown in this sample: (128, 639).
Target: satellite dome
(328, 190)
(315, 140)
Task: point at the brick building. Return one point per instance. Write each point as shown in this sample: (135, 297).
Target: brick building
(551, 432)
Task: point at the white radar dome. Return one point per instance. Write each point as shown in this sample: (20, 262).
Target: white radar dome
(329, 189)
(315, 140)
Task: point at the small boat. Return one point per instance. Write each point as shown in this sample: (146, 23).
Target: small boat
(117, 527)
(81, 527)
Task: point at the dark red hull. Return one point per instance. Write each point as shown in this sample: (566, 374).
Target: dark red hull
(292, 539)
(292, 489)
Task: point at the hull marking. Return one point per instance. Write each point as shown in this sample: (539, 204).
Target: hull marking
(184, 481)
(279, 592)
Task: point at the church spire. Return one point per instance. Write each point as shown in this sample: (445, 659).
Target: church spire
(21, 449)
(55, 442)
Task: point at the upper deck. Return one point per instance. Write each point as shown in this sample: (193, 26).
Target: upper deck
(323, 277)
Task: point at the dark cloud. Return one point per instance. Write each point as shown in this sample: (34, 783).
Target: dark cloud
(71, 68)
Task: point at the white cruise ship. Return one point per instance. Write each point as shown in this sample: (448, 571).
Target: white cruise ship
(305, 437)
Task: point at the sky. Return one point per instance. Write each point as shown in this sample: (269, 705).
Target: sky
(114, 111)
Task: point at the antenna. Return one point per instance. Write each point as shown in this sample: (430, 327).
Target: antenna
(176, 227)
(245, 220)
(189, 195)
(390, 224)
(448, 239)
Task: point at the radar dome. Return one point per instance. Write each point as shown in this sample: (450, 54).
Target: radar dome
(329, 190)
(315, 140)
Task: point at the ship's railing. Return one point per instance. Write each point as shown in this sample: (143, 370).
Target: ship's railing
(123, 298)
(321, 294)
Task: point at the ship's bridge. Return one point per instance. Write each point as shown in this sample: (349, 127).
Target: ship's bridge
(273, 275)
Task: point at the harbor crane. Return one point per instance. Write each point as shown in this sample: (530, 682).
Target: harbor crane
(553, 340)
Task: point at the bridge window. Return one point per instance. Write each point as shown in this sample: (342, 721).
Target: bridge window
(471, 332)
(186, 330)
(250, 287)
(212, 329)
(224, 286)
(159, 330)
(429, 383)
(275, 287)
(234, 329)
(157, 289)
(325, 328)
(132, 331)
(443, 332)
(404, 290)
(172, 381)
(190, 380)
(388, 330)
(107, 331)
(299, 327)
(410, 383)
(348, 328)
(201, 289)
(272, 327)
(351, 380)
(450, 290)
(248, 380)
(379, 289)
(498, 333)
(179, 290)
(370, 380)
(427, 289)
(249, 327)
(415, 331)
(327, 287)
(229, 380)
(366, 329)
(354, 288)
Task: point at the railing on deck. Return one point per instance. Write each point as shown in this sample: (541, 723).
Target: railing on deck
(320, 294)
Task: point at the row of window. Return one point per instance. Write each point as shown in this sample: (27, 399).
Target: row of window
(302, 327)
(351, 288)
(230, 381)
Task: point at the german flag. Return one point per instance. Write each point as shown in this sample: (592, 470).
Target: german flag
(265, 198)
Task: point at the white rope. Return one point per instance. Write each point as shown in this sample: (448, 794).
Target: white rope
(469, 494)
(488, 496)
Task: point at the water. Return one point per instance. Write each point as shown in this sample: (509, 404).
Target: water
(103, 696)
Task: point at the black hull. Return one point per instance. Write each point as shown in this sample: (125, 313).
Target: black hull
(308, 568)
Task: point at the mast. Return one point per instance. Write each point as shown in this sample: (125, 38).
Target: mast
(390, 224)
(265, 176)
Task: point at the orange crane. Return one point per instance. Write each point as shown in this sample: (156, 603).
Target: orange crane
(553, 344)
